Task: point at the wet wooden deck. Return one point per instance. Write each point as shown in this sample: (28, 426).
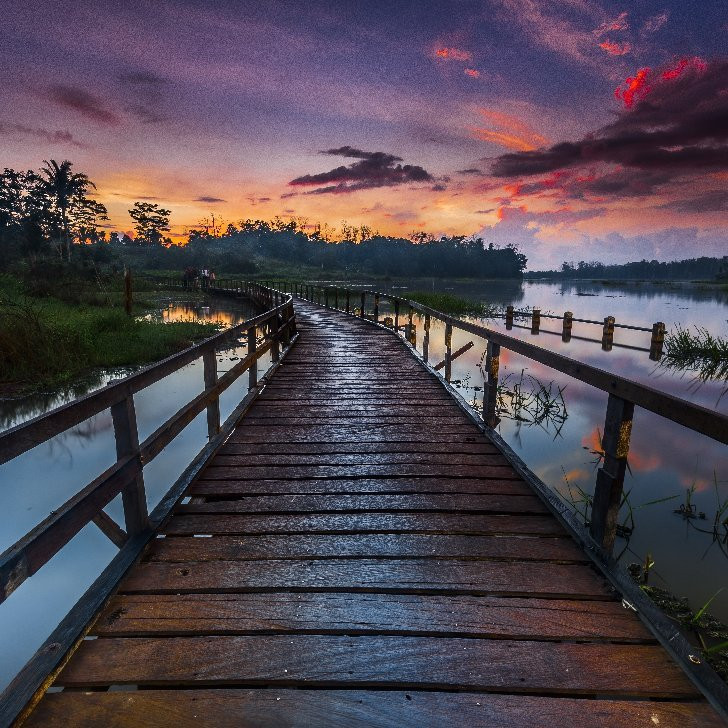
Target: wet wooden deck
(358, 553)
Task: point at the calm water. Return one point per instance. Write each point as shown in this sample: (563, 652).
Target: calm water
(665, 459)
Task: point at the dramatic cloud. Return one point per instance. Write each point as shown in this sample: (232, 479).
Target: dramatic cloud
(51, 137)
(84, 103)
(209, 200)
(679, 125)
(509, 132)
(453, 54)
(634, 88)
(615, 49)
(375, 169)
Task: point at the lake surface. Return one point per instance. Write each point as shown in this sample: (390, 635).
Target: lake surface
(665, 459)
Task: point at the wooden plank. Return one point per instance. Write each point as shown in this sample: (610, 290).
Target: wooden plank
(447, 523)
(307, 472)
(330, 486)
(346, 708)
(398, 662)
(335, 434)
(485, 617)
(405, 576)
(492, 503)
(328, 546)
(319, 448)
(345, 459)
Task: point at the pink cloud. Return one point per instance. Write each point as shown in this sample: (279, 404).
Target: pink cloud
(615, 49)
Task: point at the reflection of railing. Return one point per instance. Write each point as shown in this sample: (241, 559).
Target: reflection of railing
(623, 393)
(126, 476)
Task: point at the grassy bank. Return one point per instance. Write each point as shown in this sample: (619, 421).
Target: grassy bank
(46, 341)
(454, 305)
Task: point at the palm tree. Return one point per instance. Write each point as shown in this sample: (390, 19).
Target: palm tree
(63, 185)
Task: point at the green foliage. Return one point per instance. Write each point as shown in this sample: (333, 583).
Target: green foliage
(447, 303)
(701, 352)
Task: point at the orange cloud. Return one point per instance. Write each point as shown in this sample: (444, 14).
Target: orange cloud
(453, 54)
(634, 88)
(672, 73)
(509, 132)
(615, 49)
(473, 73)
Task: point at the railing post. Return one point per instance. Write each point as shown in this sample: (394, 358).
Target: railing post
(608, 333)
(326, 297)
(448, 351)
(209, 360)
(566, 329)
(610, 477)
(376, 308)
(348, 301)
(509, 317)
(134, 497)
(253, 370)
(490, 386)
(396, 316)
(535, 320)
(412, 334)
(336, 298)
(657, 341)
(426, 339)
(275, 347)
(363, 300)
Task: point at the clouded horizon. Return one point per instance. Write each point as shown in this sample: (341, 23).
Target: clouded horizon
(575, 129)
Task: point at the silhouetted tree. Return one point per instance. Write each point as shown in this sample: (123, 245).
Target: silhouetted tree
(150, 221)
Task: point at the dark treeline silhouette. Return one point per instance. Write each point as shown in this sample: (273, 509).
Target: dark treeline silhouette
(360, 251)
(703, 268)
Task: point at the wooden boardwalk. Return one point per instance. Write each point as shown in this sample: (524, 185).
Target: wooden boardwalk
(358, 553)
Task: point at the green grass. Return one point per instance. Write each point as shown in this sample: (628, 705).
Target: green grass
(701, 352)
(46, 342)
(447, 303)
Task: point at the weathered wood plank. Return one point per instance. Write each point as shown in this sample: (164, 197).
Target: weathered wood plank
(189, 523)
(414, 576)
(327, 546)
(405, 662)
(454, 449)
(487, 617)
(343, 459)
(345, 708)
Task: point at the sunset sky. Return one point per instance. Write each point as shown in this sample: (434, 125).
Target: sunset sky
(577, 129)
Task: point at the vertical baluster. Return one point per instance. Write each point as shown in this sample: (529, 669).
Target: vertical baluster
(275, 348)
(209, 360)
(396, 316)
(509, 317)
(535, 320)
(426, 339)
(490, 386)
(411, 333)
(657, 341)
(448, 351)
(363, 300)
(608, 333)
(610, 477)
(326, 297)
(566, 329)
(336, 298)
(376, 308)
(252, 347)
(348, 301)
(134, 499)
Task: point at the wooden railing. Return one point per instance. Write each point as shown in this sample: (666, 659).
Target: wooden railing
(624, 394)
(126, 476)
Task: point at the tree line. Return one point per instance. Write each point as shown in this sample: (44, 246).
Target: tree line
(689, 269)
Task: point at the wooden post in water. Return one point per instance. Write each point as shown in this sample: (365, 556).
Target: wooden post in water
(426, 339)
(658, 340)
(127, 291)
(209, 360)
(396, 317)
(509, 317)
(535, 320)
(134, 498)
(568, 323)
(376, 308)
(608, 333)
(490, 386)
(610, 477)
(363, 299)
(253, 370)
(448, 351)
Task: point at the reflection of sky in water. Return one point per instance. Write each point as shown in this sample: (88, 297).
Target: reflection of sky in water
(41, 480)
(665, 458)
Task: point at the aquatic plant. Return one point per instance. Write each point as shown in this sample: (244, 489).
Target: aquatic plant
(702, 353)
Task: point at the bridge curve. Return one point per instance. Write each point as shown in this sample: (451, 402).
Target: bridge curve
(359, 552)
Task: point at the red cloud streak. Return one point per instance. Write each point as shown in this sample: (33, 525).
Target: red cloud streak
(454, 54)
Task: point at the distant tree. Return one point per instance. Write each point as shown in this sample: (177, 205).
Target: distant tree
(67, 192)
(150, 221)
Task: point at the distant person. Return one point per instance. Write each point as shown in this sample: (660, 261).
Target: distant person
(212, 279)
